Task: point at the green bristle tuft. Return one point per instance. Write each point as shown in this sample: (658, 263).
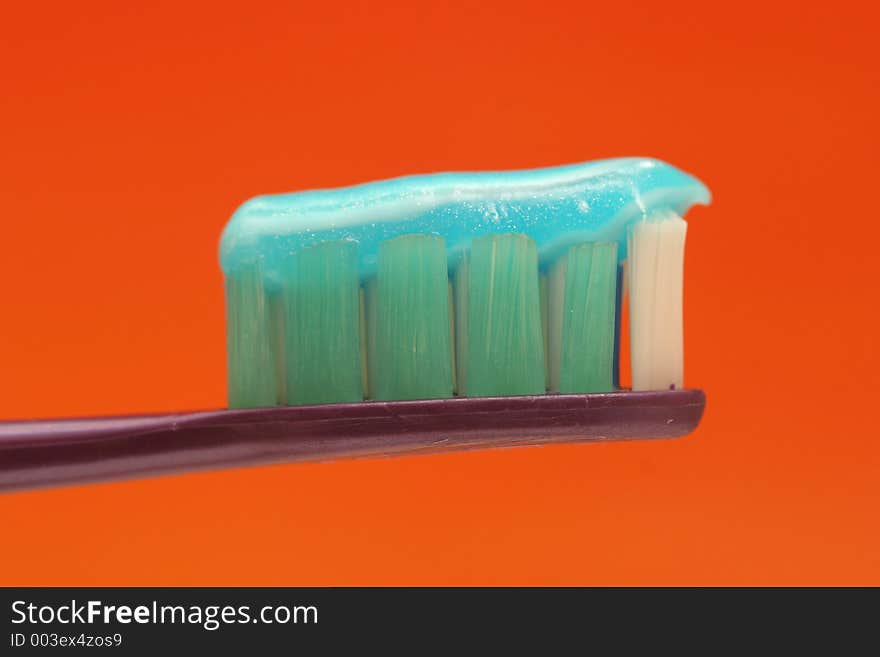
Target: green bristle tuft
(322, 322)
(250, 342)
(413, 352)
(505, 343)
(586, 349)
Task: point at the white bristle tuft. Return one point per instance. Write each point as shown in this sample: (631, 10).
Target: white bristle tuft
(655, 271)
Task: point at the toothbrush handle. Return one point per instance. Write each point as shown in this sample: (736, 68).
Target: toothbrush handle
(44, 453)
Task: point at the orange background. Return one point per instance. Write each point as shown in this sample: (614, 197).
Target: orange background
(130, 133)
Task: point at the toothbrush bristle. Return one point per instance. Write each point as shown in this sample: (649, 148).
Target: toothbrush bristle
(505, 345)
(252, 361)
(321, 296)
(655, 283)
(584, 322)
(413, 340)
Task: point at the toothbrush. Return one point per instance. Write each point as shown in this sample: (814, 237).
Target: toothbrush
(422, 314)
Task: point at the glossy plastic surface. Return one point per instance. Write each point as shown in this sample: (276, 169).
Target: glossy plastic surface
(40, 453)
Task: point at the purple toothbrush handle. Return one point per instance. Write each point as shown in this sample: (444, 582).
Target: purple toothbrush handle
(43, 453)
